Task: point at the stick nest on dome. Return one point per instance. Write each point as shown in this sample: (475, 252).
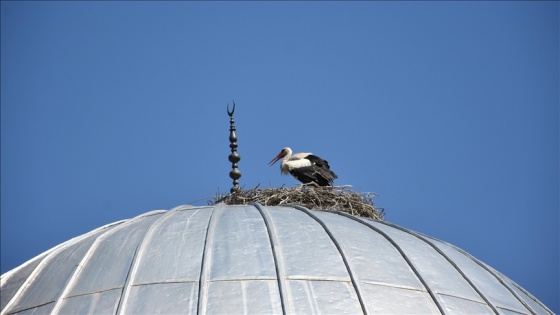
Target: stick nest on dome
(340, 198)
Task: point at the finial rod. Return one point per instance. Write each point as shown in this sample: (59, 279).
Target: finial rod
(234, 157)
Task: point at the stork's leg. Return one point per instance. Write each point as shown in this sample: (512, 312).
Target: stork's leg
(309, 184)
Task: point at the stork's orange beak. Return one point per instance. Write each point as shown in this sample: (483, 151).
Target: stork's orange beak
(276, 158)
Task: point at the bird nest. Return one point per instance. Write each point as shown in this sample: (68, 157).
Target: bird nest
(341, 198)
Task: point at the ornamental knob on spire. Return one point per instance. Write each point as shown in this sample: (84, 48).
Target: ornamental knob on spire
(234, 157)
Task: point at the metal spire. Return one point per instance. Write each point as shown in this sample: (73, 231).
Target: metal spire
(234, 157)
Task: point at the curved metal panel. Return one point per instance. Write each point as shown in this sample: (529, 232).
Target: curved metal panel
(240, 246)
(162, 298)
(378, 266)
(243, 297)
(108, 266)
(238, 257)
(439, 274)
(372, 258)
(172, 249)
(12, 282)
(301, 239)
(335, 242)
(311, 265)
(425, 298)
(498, 294)
(394, 300)
(529, 299)
(451, 301)
(104, 302)
(50, 274)
(170, 252)
(323, 297)
(47, 286)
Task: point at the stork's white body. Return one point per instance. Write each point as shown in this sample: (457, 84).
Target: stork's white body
(291, 162)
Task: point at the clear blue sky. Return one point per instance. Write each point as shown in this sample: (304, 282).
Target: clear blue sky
(449, 111)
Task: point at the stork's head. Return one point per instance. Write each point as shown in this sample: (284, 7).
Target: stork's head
(283, 153)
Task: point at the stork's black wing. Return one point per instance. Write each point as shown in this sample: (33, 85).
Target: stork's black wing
(318, 172)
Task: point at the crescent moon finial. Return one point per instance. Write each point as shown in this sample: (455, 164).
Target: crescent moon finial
(230, 113)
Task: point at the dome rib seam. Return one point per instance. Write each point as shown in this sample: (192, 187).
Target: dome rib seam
(40, 266)
(206, 257)
(339, 248)
(400, 250)
(72, 281)
(131, 275)
(495, 275)
(419, 236)
(439, 251)
(273, 246)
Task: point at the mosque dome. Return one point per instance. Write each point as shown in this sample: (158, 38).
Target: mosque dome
(227, 259)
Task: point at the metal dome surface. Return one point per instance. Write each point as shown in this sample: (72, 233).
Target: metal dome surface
(256, 259)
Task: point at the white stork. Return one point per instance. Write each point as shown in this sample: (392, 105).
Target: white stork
(305, 167)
